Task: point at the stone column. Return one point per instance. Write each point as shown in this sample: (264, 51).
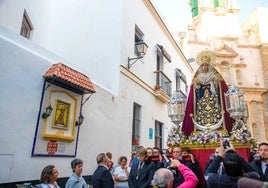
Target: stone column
(264, 57)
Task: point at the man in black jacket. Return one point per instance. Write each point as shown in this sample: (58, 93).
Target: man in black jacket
(261, 164)
(235, 167)
(141, 173)
(190, 161)
(102, 178)
(178, 177)
(186, 158)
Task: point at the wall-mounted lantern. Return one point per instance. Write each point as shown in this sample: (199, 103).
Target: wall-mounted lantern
(48, 112)
(141, 48)
(80, 120)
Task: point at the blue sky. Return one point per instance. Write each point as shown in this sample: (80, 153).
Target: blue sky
(177, 13)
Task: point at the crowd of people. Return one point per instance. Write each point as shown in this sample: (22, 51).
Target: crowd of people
(153, 167)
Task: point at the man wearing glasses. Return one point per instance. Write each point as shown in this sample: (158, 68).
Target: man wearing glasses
(121, 173)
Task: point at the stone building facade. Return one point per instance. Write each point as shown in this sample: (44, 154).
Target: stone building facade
(238, 53)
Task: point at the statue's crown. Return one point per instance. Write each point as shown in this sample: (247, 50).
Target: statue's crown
(205, 59)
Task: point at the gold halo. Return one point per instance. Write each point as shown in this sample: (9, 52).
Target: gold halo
(205, 54)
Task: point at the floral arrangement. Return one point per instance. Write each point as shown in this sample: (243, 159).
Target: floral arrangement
(175, 136)
(240, 132)
(205, 137)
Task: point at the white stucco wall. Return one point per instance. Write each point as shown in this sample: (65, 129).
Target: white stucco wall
(39, 13)
(153, 35)
(105, 128)
(86, 33)
(152, 108)
(21, 82)
(107, 125)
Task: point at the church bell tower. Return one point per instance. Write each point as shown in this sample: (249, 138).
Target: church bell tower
(215, 18)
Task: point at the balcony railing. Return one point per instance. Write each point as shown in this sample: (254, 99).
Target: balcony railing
(163, 82)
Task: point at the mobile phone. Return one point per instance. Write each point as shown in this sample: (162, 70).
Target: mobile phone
(212, 156)
(257, 158)
(226, 142)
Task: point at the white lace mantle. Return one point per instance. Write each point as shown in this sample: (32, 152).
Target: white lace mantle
(206, 78)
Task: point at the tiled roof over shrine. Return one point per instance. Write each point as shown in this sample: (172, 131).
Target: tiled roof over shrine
(64, 76)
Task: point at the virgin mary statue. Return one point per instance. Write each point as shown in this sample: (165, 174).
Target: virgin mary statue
(205, 109)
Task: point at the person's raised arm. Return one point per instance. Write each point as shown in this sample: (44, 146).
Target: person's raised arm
(213, 167)
(190, 179)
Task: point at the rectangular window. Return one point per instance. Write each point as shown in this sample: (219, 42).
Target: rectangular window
(181, 81)
(158, 134)
(136, 126)
(26, 26)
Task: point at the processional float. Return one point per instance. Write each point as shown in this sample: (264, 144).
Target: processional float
(213, 110)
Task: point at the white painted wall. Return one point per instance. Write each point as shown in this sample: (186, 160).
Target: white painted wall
(38, 11)
(21, 82)
(105, 127)
(153, 35)
(86, 33)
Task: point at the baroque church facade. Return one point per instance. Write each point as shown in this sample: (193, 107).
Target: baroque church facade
(238, 53)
